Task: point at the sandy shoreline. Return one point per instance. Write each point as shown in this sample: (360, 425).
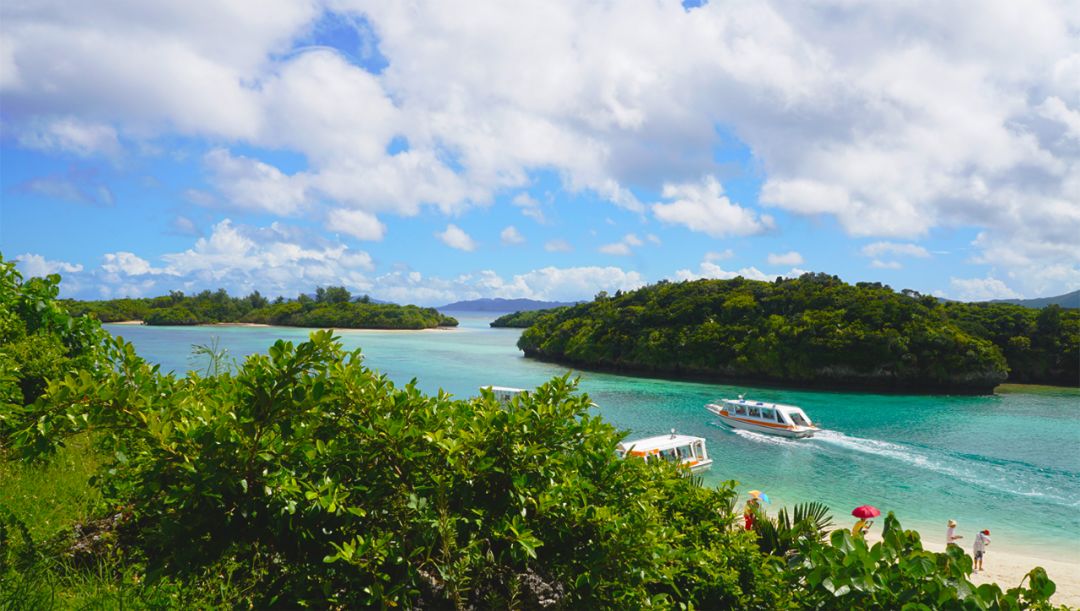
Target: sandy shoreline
(259, 324)
(1008, 568)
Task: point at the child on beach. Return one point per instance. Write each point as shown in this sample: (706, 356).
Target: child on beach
(950, 533)
(981, 541)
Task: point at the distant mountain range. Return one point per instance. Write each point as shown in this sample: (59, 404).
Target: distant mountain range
(1068, 300)
(501, 305)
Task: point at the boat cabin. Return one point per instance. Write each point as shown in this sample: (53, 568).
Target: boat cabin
(767, 412)
(505, 393)
(686, 450)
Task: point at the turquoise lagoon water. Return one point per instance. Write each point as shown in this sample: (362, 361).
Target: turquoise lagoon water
(1009, 463)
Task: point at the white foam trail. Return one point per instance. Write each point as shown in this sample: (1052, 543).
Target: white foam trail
(962, 470)
(763, 438)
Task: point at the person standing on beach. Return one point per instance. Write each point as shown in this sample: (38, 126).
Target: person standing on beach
(750, 512)
(950, 533)
(861, 527)
(981, 541)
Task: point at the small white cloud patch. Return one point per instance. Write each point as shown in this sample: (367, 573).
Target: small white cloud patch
(511, 236)
(981, 289)
(455, 237)
(788, 258)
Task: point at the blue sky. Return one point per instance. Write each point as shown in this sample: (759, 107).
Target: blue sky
(425, 153)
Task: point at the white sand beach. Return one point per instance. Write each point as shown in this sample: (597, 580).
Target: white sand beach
(1007, 568)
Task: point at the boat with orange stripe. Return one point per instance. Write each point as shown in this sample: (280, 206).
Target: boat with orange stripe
(684, 450)
(761, 417)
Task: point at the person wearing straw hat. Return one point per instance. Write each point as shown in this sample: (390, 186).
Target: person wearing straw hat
(950, 533)
(753, 507)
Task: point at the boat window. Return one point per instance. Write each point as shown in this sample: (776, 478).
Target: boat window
(755, 412)
(669, 455)
(740, 410)
(798, 419)
(766, 413)
(780, 417)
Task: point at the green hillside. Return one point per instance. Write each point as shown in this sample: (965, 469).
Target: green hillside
(814, 331)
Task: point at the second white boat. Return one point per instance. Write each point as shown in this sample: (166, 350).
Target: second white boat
(760, 417)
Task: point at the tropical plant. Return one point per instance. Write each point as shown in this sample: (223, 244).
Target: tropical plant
(897, 573)
(787, 532)
(217, 357)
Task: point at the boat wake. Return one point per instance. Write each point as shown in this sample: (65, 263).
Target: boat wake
(763, 438)
(1018, 479)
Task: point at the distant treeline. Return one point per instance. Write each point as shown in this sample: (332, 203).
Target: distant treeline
(815, 331)
(521, 320)
(331, 307)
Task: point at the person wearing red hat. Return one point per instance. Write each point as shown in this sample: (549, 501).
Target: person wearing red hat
(981, 541)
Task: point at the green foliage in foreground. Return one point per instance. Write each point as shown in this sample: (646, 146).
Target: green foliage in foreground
(306, 479)
(814, 330)
(341, 489)
(330, 307)
(522, 320)
(39, 340)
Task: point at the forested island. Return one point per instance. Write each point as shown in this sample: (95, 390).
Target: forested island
(813, 331)
(330, 307)
(521, 320)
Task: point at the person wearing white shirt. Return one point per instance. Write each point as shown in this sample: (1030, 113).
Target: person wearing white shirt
(950, 533)
(981, 541)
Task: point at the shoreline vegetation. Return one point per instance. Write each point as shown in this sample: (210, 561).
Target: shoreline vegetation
(810, 332)
(304, 479)
(330, 307)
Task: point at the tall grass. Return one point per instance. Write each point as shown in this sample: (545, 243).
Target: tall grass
(39, 507)
(51, 498)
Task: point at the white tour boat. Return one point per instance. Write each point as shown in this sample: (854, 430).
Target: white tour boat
(504, 394)
(685, 450)
(768, 418)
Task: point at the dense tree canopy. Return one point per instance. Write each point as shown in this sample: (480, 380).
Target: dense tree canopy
(1042, 346)
(331, 307)
(521, 320)
(815, 330)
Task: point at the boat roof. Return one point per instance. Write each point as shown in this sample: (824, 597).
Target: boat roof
(661, 442)
(503, 389)
(749, 403)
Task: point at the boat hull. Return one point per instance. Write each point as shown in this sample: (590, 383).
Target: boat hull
(699, 466)
(749, 425)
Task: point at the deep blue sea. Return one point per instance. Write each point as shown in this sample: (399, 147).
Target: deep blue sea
(1007, 462)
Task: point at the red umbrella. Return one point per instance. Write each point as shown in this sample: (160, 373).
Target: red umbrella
(866, 511)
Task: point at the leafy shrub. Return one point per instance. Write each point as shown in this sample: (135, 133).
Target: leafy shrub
(897, 573)
(344, 490)
(39, 340)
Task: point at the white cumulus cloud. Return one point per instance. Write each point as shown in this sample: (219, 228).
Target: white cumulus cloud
(360, 224)
(36, 266)
(455, 237)
(981, 289)
(703, 207)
